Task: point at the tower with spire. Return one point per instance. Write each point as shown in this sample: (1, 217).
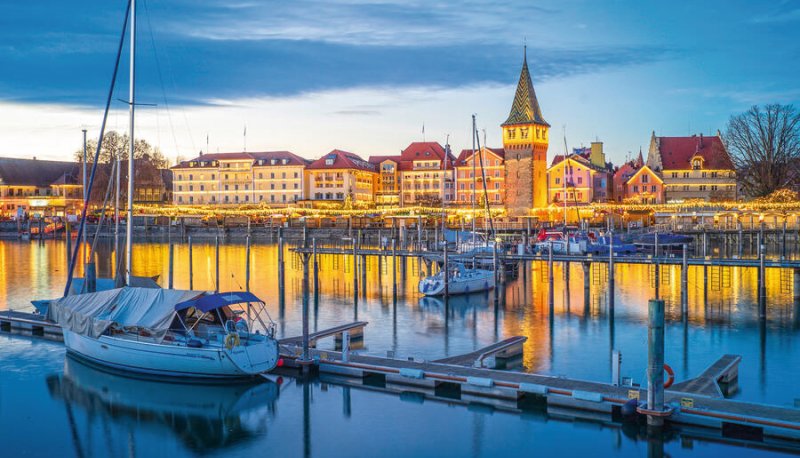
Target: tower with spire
(525, 140)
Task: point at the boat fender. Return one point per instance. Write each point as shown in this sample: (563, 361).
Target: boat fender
(231, 340)
(670, 376)
(194, 343)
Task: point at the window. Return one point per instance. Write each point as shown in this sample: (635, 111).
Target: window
(191, 187)
(635, 188)
(704, 174)
(260, 176)
(213, 176)
(272, 186)
(645, 178)
(283, 175)
(580, 180)
(272, 198)
(713, 187)
(713, 174)
(696, 164)
(180, 199)
(674, 174)
(686, 174)
(702, 187)
(202, 187)
(180, 188)
(296, 175)
(283, 185)
(247, 198)
(236, 187)
(272, 175)
(653, 188)
(686, 187)
(558, 180)
(296, 186)
(191, 177)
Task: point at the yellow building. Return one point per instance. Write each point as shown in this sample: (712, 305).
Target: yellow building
(570, 181)
(469, 177)
(387, 190)
(693, 167)
(274, 178)
(525, 140)
(340, 175)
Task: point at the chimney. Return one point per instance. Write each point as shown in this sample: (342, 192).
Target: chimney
(701, 140)
(34, 158)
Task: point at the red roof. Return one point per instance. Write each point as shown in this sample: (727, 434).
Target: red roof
(422, 151)
(467, 153)
(677, 152)
(342, 160)
(377, 160)
(253, 156)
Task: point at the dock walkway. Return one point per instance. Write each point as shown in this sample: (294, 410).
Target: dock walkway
(507, 348)
(725, 369)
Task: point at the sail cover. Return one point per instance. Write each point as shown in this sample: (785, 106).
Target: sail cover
(92, 313)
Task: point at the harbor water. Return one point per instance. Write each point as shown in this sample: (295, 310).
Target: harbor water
(53, 405)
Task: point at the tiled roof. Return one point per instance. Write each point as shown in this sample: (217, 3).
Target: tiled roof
(467, 153)
(525, 108)
(342, 160)
(377, 160)
(253, 156)
(422, 151)
(34, 172)
(677, 152)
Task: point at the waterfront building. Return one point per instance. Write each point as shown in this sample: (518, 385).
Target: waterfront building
(469, 176)
(621, 176)
(387, 189)
(46, 188)
(425, 178)
(340, 175)
(579, 179)
(693, 167)
(270, 178)
(644, 186)
(525, 141)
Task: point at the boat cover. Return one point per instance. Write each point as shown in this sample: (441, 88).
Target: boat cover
(210, 302)
(91, 314)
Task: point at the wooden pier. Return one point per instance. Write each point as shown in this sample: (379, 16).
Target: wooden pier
(692, 406)
(490, 356)
(29, 324)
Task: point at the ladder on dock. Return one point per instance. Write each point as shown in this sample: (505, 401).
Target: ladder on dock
(356, 330)
(725, 370)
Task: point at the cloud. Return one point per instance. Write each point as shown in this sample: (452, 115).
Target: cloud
(784, 11)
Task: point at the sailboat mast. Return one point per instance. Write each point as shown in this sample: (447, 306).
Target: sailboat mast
(474, 176)
(132, 107)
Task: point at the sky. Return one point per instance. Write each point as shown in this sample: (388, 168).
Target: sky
(310, 76)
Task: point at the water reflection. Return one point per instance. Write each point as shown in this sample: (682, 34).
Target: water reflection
(204, 418)
(574, 337)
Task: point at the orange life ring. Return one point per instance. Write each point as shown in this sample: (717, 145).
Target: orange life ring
(670, 376)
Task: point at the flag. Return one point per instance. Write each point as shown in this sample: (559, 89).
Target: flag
(423, 128)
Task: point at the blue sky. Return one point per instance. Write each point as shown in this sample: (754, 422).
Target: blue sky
(310, 76)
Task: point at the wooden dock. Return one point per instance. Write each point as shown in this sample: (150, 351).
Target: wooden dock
(724, 371)
(487, 357)
(30, 324)
(514, 390)
(356, 330)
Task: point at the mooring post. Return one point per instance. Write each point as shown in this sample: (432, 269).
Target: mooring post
(355, 270)
(783, 240)
(171, 281)
(685, 281)
(316, 266)
(446, 274)
(656, 269)
(655, 361)
(216, 261)
(394, 269)
(494, 261)
(527, 232)
(611, 271)
(419, 232)
(306, 360)
(281, 272)
(91, 277)
(247, 262)
(762, 284)
(587, 287)
(191, 264)
(68, 241)
(550, 292)
(616, 362)
(740, 238)
(655, 245)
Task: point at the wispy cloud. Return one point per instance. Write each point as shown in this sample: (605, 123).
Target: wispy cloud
(784, 11)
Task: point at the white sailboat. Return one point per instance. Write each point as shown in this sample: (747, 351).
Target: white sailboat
(164, 332)
(460, 280)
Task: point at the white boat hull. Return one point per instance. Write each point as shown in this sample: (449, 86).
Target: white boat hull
(434, 286)
(175, 360)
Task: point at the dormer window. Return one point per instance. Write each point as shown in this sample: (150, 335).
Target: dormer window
(273, 161)
(285, 161)
(697, 164)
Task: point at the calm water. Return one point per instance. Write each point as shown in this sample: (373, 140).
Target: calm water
(49, 405)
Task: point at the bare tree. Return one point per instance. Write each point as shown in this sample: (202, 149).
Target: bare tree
(764, 144)
(147, 162)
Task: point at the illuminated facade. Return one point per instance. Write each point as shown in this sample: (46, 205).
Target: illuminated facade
(273, 178)
(46, 188)
(525, 141)
(693, 167)
(645, 186)
(469, 176)
(425, 177)
(580, 179)
(387, 190)
(340, 175)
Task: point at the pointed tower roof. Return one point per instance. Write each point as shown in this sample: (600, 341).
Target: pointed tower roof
(525, 109)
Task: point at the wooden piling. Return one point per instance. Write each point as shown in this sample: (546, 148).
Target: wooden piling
(762, 286)
(655, 361)
(281, 272)
(171, 281)
(611, 271)
(216, 262)
(191, 264)
(446, 276)
(355, 270)
(685, 281)
(68, 242)
(394, 269)
(587, 287)
(306, 359)
(796, 285)
(316, 266)
(550, 292)
(247, 260)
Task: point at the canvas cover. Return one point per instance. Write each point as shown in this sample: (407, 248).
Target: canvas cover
(91, 314)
